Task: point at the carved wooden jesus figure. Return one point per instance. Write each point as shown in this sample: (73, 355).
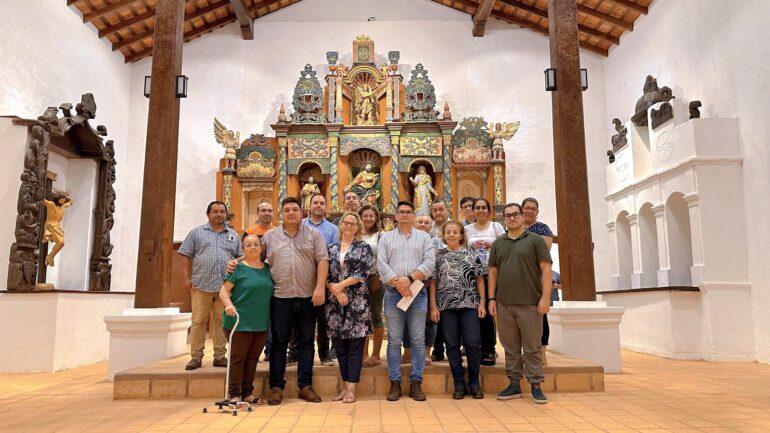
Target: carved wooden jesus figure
(60, 200)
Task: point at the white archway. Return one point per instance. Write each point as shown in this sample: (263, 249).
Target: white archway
(679, 240)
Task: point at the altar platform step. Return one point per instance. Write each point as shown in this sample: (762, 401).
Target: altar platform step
(169, 380)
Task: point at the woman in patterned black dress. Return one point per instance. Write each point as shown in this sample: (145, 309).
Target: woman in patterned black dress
(348, 313)
(530, 208)
(457, 296)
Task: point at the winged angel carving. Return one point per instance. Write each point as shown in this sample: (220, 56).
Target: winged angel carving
(499, 132)
(230, 140)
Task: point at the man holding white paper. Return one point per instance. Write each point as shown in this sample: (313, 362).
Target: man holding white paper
(405, 258)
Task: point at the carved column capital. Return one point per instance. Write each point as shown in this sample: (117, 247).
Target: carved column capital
(659, 210)
(610, 226)
(632, 219)
(692, 199)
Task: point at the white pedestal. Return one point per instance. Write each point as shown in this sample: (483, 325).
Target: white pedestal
(140, 336)
(588, 330)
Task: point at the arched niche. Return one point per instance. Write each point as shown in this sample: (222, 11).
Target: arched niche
(679, 240)
(625, 258)
(648, 236)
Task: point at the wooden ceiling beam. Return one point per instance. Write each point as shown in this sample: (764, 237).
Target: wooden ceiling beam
(146, 34)
(104, 10)
(544, 14)
(261, 4)
(244, 19)
(481, 16)
(604, 17)
(187, 36)
(127, 23)
(630, 5)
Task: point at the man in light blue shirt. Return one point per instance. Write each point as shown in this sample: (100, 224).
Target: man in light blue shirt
(403, 256)
(330, 232)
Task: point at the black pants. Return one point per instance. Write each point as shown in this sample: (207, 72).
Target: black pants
(546, 331)
(322, 339)
(462, 323)
(287, 314)
(488, 333)
(438, 342)
(350, 355)
(244, 354)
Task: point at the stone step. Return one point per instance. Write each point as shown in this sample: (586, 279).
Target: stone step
(169, 380)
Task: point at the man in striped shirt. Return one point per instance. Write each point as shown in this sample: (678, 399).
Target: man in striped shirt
(403, 256)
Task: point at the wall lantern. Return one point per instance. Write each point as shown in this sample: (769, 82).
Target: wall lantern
(147, 81)
(550, 79)
(181, 86)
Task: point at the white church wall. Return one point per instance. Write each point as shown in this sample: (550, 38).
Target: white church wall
(12, 141)
(716, 52)
(243, 83)
(50, 57)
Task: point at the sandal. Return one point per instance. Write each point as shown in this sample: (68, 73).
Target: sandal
(350, 396)
(428, 361)
(372, 362)
(341, 396)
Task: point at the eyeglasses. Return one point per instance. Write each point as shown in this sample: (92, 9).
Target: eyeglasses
(349, 223)
(405, 212)
(512, 216)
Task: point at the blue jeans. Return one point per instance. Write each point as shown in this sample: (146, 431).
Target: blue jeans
(462, 324)
(430, 335)
(397, 320)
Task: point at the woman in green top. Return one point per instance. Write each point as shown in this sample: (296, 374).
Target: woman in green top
(247, 290)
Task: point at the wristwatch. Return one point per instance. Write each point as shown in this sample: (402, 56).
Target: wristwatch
(411, 279)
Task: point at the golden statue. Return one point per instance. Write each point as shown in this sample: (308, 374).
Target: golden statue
(364, 186)
(230, 140)
(308, 191)
(499, 132)
(423, 188)
(366, 106)
(60, 200)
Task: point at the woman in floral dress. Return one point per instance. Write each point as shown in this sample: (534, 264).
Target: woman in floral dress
(348, 313)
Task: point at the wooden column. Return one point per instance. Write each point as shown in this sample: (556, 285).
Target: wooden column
(569, 149)
(153, 271)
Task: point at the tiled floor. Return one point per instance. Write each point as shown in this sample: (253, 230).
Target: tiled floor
(652, 395)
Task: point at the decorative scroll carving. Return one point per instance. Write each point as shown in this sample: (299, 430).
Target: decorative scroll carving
(100, 268)
(305, 147)
(421, 145)
(420, 99)
(23, 258)
(377, 142)
(308, 98)
(652, 95)
(661, 115)
(619, 140)
(498, 184)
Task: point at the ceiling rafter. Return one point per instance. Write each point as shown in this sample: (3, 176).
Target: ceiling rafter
(481, 16)
(112, 7)
(151, 13)
(606, 17)
(244, 19)
(631, 5)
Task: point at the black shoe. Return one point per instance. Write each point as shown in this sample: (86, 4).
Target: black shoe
(476, 392)
(488, 359)
(437, 356)
(395, 391)
(415, 391)
(220, 361)
(537, 395)
(513, 391)
(193, 364)
(459, 394)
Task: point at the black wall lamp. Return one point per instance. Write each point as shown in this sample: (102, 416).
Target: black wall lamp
(181, 86)
(550, 79)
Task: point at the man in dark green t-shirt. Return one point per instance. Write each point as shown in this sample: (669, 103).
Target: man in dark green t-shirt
(519, 295)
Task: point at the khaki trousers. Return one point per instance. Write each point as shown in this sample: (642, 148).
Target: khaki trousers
(203, 304)
(521, 327)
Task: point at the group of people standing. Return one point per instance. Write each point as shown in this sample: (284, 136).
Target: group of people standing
(284, 282)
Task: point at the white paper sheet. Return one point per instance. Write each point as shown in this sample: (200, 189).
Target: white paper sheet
(406, 301)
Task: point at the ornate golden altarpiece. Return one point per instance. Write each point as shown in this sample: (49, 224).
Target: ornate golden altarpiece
(367, 130)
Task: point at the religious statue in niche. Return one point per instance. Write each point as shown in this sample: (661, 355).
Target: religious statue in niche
(59, 201)
(499, 132)
(365, 105)
(364, 185)
(308, 191)
(230, 140)
(423, 191)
